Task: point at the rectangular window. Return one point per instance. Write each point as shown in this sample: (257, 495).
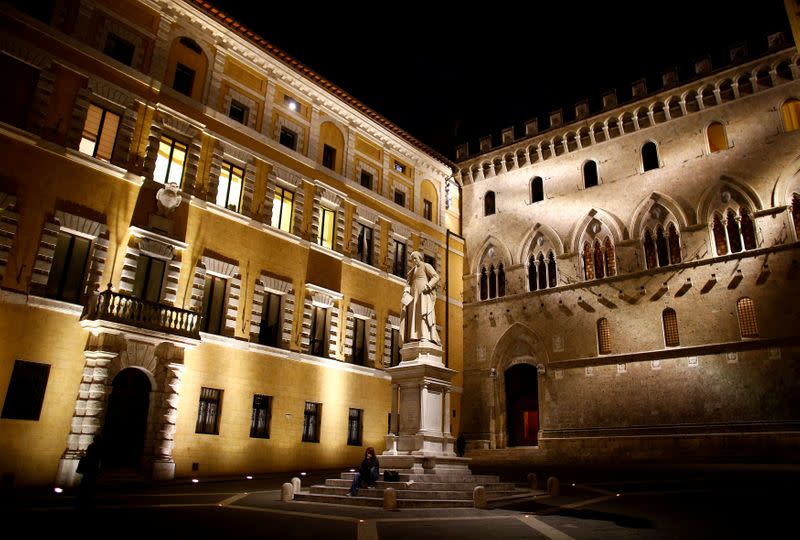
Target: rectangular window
(209, 411)
(282, 209)
(366, 180)
(429, 259)
(319, 327)
(359, 341)
(329, 157)
(68, 270)
(270, 331)
(26, 390)
(399, 265)
(311, 421)
(364, 248)
(399, 167)
(262, 414)
(354, 427)
(400, 198)
(99, 133)
(16, 94)
(229, 190)
(149, 278)
(170, 162)
(214, 305)
(327, 223)
(288, 138)
(395, 351)
(427, 210)
(238, 112)
(603, 336)
(119, 49)
(184, 79)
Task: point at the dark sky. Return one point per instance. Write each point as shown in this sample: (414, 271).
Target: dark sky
(449, 77)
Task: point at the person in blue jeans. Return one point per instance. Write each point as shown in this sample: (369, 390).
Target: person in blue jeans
(368, 471)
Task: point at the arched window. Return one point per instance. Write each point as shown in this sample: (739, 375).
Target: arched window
(532, 280)
(674, 245)
(501, 281)
(748, 229)
(590, 178)
(650, 156)
(537, 189)
(551, 270)
(796, 215)
(732, 228)
(611, 259)
(661, 247)
(664, 249)
(492, 282)
(720, 241)
(650, 257)
(746, 309)
(717, 139)
(791, 115)
(603, 336)
(484, 285)
(670, 321)
(599, 263)
(588, 261)
(542, 272)
(488, 203)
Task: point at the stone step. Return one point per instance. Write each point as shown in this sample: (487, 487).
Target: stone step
(401, 494)
(432, 486)
(360, 500)
(478, 479)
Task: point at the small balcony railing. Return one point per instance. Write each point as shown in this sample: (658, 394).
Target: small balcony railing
(125, 309)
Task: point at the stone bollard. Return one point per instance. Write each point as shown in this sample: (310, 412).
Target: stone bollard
(287, 492)
(532, 480)
(296, 484)
(479, 496)
(389, 499)
(553, 486)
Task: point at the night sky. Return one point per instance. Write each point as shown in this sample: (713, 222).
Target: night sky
(449, 77)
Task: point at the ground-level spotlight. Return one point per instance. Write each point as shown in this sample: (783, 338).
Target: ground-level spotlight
(302, 474)
(195, 481)
(352, 470)
(617, 494)
(58, 490)
(361, 521)
(249, 477)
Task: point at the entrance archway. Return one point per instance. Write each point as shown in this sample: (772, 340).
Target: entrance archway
(126, 419)
(522, 405)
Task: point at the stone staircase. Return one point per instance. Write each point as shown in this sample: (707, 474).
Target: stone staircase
(416, 491)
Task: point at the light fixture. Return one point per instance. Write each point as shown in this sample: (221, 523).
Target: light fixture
(302, 474)
(58, 490)
(249, 477)
(195, 481)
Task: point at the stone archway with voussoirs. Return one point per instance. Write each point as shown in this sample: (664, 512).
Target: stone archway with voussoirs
(107, 354)
(518, 345)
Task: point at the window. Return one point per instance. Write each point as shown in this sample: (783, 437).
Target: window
(650, 156)
(541, 272)
(399, 263)
(395, 348)
(329, 157)
(399, 167)
(311, 421)
(262, 414)
(590, 178)
(603, 336)
(662, 249)
(184, 79)
(319, 332)
(733, 233)
(717, 139)
(238, 112)
(488, 203)
(291, 103)
(427, 210)
(68, 270)
(359, 341)
(99, 133)
(364, 248)
(400, 197)
(282, 209)
(270, 331)
(16, 94)
(492, 282)
(26, 388)
(171, 161)
(746, 309)
(209, 411)
(119, 49)
(599, 259)
(327, 222)
(354, 427)
(229, 189)
(429, 259)
(366, 180)
(791, 115)
(670, 321)
(149, 278)
(537, 189)
(214, 304)
(288, 138)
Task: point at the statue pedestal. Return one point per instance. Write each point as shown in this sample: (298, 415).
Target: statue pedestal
(420, 440)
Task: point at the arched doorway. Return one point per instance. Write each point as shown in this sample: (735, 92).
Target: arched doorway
(522, 405)
(126, 419)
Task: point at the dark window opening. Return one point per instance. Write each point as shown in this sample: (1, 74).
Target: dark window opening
(311, 422)
(26, 388)
(214, 305)
(184, 79)
(427, 209)
(359, 341)
(329, 157)
(238, 112)
(149, 278)
(270, 331)
(288, 138)
(354, 427)
(366, 180)
(537, 189)
(68, 271)
(488, 204)
(650, 156)
(364, 247)
(262, 415)
(399, 265)
(400, 198)
(395, 348)
(209, 410)
(590, 178)
(190, 44)
(119, 49)
(318, 331)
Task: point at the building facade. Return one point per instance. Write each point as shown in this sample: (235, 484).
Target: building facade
(631, 275)
(203, 246)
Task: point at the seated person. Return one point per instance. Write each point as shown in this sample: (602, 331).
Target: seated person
(367, 471)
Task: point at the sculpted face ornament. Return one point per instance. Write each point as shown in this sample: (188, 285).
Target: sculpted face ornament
(168, 199)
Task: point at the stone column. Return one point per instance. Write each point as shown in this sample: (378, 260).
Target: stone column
(446, 426)
(423, 408)
(163, 463)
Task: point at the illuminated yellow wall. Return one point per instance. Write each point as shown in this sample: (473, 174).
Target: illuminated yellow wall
(429, 193)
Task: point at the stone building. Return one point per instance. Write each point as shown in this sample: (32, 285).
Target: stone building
(631, 278)
(203, 245)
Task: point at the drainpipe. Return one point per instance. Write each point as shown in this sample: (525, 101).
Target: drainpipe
(447, 278)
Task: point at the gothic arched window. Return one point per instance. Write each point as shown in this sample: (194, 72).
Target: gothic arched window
(488, 203)
(590, 178)
(650, 156)
(532, 280)
(537, 189)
